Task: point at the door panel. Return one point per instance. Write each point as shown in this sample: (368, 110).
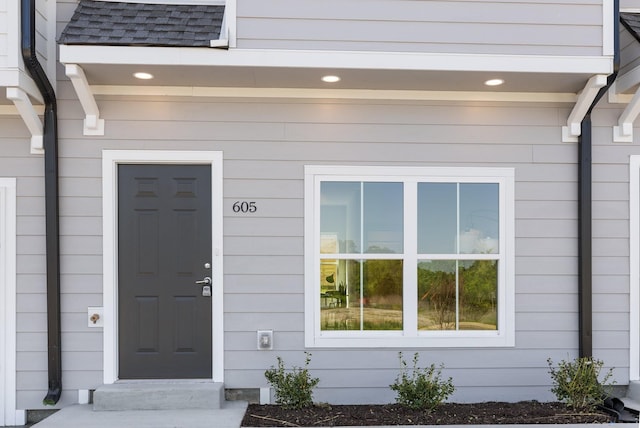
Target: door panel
(164, 241)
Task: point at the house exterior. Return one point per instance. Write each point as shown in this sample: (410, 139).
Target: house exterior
(235, 207)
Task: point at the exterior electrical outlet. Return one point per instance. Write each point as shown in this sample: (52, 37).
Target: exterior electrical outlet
(265, 340)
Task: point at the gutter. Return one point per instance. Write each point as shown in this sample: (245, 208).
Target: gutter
(585, 218)
(50, 142)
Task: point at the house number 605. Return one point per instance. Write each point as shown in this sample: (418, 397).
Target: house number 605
(244, 207)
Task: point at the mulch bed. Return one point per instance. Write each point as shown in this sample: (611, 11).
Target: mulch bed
(525, 412)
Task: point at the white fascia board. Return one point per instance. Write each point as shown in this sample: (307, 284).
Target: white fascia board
(142, 55)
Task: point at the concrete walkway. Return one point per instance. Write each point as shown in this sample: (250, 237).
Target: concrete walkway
(83, 416)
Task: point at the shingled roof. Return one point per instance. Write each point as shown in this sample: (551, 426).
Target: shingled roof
(143, 24)
(631, 22)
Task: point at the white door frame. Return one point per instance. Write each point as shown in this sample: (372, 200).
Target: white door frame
(110, 161)
(9, 415)
(634, 273)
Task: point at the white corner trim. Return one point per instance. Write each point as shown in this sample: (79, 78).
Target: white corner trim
(572, 131)
(93, 125)
(30, 117)
(110, 161)
(608, 27)
(229, 22)
(9, 415)
(634, 272)
(623, 132)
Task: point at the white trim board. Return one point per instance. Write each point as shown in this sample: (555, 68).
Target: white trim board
(110, 160)
(356, 94)
(9, 415)
(634, 273)
(356, 60)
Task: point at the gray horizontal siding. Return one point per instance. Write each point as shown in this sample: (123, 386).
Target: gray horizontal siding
(266, 144)
(495, 27)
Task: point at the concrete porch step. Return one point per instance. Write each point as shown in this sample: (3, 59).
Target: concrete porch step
(159, 395)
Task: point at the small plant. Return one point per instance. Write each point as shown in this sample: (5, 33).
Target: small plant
(576, 382)
(422, 388)
(294, 389)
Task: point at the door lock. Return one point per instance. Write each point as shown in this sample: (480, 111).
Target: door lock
(206, 291)
(205, 281)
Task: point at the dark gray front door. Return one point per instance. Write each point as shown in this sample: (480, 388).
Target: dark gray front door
(164, 244)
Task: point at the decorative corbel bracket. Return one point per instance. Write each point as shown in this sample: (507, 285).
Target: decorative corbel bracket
(623, 133)
(30, 117)
(93, 125)
(572, 131)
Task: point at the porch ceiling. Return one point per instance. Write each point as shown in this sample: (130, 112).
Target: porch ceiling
(225, 76)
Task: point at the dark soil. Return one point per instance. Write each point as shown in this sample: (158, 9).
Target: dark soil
(525, 412)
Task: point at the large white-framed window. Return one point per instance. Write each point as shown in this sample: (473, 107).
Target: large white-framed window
(409, 256)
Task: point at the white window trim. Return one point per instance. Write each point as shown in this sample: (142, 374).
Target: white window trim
(503, 337)
(9, 415)
(110, 160)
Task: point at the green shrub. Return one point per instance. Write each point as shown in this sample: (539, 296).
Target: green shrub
(576, 382)
(422, 388)
(294, 389)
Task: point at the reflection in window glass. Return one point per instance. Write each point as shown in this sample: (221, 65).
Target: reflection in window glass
(437, 293)
(479, 218)
(437, 223)
(478, 293)
(362, 295)
(340, 217)
(457, 294)
(383, 218)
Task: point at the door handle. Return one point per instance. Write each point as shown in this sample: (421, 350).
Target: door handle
(205, 281)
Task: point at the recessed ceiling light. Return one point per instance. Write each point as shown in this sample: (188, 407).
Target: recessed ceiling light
(494, 82)
(143, 76)
(330, 79)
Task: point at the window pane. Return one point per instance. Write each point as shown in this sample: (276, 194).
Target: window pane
(478, 294)
(479, 218)
(383, 217)
(382, 295)
(373, 303)
(340, 295)
(437, 295)
(437, 218)
(339, 217)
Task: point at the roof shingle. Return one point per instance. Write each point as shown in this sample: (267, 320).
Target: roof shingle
(142, 24)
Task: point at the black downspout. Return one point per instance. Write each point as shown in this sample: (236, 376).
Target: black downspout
(50, 141)
(585, 219)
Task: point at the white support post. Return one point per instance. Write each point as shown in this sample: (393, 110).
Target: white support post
(572, 131)
(30, 117)
(93, 125)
